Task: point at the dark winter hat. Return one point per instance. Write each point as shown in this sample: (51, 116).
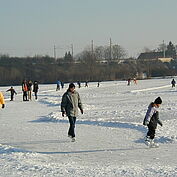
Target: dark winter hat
(71, 85)
(158, 100)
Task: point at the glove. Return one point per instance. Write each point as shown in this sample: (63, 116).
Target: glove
(160, 123)
(63, 114)
(3, 106)
(146, 122)
(82, 112)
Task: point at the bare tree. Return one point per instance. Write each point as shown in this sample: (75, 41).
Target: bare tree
(118, 52)
(99, 52)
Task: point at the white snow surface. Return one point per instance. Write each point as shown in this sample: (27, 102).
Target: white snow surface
(109, 135)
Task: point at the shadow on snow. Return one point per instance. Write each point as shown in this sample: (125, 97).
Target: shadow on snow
(91, 151)
(122, 125)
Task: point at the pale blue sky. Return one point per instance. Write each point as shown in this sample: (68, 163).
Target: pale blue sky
(29, 27)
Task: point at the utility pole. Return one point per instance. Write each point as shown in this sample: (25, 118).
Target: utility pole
(163, 49)
(110, 49)
(72, 51)
(92, 48)
(54, 52)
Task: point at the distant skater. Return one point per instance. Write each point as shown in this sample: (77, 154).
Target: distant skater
(135, 81)
(12, 92)
(151, 120)
(98, 84)
(58, 85)
(129, 81)
(29, 84)
(25, 90)
(35, 89)
(86, 83)
(79, 84)
(173, 83)
(69, 106)
(62, 84)
(2, 102)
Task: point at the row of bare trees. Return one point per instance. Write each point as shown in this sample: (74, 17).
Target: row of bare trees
(114, 52)
(86, 66)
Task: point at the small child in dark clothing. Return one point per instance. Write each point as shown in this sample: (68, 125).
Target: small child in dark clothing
(152, 119)
(12, 92)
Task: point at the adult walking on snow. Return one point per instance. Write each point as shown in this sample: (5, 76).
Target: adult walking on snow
(2, 103)
(69, 106)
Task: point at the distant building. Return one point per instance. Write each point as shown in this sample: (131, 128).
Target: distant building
(152, 56)
(168, 60)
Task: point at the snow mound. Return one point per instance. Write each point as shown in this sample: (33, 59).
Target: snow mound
(148, 89)
(52, 117)
(169, 128)
(50, 102)
(9, 149)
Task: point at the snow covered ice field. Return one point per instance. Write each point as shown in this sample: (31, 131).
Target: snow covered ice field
(109, 136)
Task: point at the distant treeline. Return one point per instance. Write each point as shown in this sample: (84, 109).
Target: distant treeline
(45, 69)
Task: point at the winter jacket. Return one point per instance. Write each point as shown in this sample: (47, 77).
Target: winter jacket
(1, 99)
(24, 87)
(29, 85)
(173, 82)
(35, 87)
(152, 117)
(12, 91)
(70, 103)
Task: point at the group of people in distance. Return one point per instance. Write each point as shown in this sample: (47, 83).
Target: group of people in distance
(60, 84)
(27, 89)
(86, 84)
(134, 80)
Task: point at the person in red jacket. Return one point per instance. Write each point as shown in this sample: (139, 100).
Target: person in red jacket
(25, 90)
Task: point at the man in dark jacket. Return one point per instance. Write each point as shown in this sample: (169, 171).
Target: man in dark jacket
(69, 106)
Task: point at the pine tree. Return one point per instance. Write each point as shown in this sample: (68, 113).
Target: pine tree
(171, 51)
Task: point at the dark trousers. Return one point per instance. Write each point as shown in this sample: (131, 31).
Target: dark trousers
(72, 121)
(25, 98)
(35, 93)
(151, 132)
(12, 97)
